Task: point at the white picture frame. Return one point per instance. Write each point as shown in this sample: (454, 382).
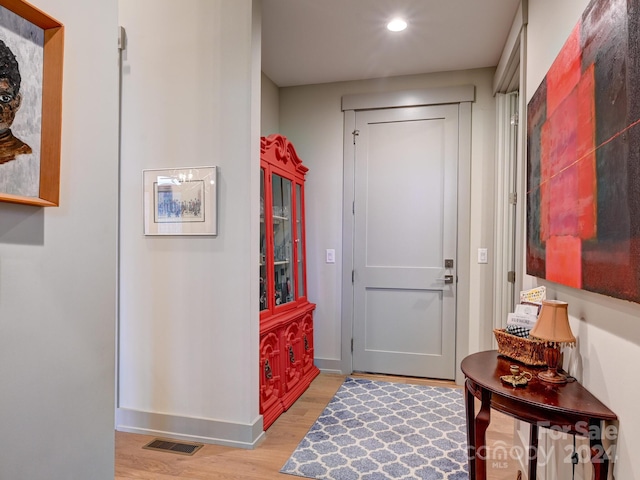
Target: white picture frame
(180, 201)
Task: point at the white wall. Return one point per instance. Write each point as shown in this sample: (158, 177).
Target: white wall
(311, 117)
(189, 305)
(58, 276)
(608, 329)
(270, 107)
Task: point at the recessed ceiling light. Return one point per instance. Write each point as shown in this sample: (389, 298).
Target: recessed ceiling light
(397, 25)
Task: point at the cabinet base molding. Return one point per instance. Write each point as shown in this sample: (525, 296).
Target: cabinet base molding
(292, 395)
(203, 430)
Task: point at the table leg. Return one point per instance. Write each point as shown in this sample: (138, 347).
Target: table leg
(599, 458)
(482, 421)
(471, 431)
(533, 451)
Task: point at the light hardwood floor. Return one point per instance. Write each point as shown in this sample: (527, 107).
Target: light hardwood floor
(214, 462)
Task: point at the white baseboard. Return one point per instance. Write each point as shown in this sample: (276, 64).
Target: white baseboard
(329, 365)
(246, 436)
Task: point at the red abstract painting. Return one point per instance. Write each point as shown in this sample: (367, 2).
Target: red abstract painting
(583, 139)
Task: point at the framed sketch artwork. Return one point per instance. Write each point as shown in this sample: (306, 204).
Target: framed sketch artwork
(31, 54)
(180, 201)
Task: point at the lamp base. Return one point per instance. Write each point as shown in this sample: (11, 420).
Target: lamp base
(552, 358)
(552, 376)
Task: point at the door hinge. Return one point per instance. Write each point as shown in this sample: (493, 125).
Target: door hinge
(513, 198)
(353, 276)
(353, 207)
(352, 345)
(122, 38)
(511, 277)
(355, 133)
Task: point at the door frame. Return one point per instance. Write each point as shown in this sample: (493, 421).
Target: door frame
(510, 77)
(506, 204)
(462, 96)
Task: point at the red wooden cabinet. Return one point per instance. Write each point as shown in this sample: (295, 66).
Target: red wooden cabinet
(286, 316)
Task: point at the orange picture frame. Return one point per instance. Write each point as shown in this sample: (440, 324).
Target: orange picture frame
(51, 122)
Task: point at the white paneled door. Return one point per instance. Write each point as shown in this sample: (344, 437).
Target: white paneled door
(405, 216)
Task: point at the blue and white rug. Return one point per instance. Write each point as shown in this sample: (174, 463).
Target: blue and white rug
(375, 430)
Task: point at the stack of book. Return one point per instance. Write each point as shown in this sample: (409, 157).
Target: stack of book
(523, 319)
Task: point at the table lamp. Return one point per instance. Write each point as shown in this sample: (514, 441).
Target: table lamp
(553, 328)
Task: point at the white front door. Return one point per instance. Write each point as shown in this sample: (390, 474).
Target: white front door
(405, 217)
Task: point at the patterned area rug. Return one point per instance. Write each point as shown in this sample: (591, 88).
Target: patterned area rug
(375, 430)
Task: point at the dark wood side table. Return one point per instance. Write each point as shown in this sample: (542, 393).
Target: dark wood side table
(569, 407)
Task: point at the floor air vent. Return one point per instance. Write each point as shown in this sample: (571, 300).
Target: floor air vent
(165, 445)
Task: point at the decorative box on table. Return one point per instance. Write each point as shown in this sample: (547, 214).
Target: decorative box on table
(525, 350)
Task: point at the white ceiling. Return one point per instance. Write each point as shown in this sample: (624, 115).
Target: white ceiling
(319, 41)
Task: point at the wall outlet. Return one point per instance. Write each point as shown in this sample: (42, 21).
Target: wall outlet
(483, 255)
(331, 255)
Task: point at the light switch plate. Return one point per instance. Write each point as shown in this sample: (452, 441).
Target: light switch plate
(331, 255)
(483, 255)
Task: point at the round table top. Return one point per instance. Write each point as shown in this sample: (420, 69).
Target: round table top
(486, 368)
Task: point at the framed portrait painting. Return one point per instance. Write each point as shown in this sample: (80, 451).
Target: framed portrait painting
(180, 201)
(31, 64)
